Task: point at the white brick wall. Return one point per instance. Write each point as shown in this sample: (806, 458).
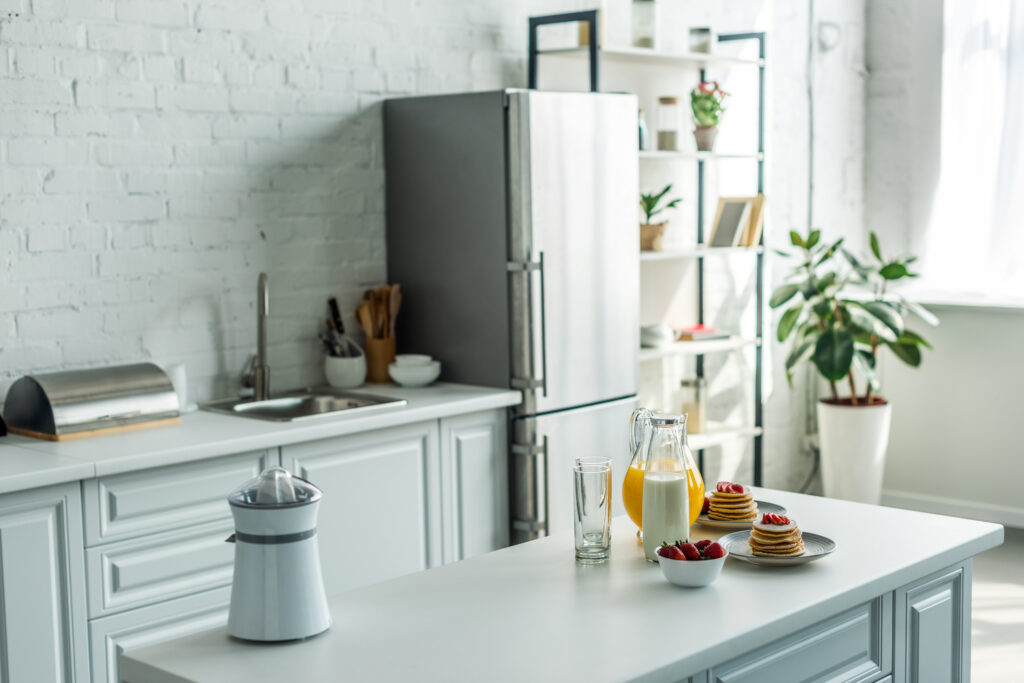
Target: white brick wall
(156, 155)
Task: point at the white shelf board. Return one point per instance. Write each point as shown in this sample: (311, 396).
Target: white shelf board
(694, 348)
(648, 56)
(697, 251)
(717, 434)
(666, 155)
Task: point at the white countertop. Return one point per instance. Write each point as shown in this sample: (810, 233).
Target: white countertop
(27, 463)
(530, 613)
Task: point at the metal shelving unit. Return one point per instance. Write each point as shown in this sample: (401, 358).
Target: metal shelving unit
(594, 53)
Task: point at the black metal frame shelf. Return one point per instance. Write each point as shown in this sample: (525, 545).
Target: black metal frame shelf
(594, 52)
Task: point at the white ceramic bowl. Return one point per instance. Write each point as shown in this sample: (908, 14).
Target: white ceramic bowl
(692, 573)
(415, 375)
(345, 373)
(412, 359)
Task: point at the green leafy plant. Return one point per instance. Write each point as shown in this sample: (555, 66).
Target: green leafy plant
(840, 331)
(649, 203)
(707, 101)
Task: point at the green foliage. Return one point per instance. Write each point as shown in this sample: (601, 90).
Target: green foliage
(707, 101)
(649, 203)
(841, 331)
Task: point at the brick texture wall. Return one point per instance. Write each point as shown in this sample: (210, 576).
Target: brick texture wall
(156, 155)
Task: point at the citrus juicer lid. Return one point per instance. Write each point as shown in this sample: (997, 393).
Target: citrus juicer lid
(275, 487)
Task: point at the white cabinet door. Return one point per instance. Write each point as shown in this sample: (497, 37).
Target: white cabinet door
(933, 628)
(42, 586)
(380, 516)
(119, 633)
(474, 484)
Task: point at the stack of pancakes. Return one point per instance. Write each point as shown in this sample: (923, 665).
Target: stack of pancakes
(730, 506)
(776, 540)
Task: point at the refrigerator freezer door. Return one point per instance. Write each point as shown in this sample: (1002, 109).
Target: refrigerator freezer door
(574, 248)
(543, 451)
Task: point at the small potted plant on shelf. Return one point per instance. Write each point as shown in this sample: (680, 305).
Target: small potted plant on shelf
(651, 234)
(707, 101)
(842, 331)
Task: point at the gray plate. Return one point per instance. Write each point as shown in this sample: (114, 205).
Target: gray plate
(762, 507)
(816, 547)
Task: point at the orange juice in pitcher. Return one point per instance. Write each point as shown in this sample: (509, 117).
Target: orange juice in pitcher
(633, 483)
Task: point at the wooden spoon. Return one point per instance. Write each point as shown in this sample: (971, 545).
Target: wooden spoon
(365, 319)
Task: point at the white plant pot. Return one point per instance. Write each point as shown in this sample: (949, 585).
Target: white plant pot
(853, 444)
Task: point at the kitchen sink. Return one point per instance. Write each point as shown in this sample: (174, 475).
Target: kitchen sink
(304, 404)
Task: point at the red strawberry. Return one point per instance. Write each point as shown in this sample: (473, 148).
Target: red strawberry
(670, 552)
(706, 506)
(690, 550)
(714, 551)
(701, 545)
(736, 488)
(723, 487)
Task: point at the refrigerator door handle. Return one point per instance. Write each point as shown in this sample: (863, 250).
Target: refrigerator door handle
(527, 268)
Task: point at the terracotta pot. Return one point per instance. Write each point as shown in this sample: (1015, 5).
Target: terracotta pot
(853, 444)
(705, 136)
(379, 354)
(651, 235)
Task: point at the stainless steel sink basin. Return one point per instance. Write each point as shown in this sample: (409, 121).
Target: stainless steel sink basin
(304, 404)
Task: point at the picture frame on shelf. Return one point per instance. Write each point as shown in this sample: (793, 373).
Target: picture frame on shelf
(752, 235)
(732, 218)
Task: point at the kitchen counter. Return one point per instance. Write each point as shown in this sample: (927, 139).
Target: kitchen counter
(28, 463)
(529, 612)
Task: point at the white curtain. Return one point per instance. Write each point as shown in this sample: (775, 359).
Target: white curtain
(974, 242)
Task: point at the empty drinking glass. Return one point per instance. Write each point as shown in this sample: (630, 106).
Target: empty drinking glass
(592, 508)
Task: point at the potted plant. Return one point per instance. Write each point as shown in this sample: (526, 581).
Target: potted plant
(842, 332)
(651, 234)
(707, 101)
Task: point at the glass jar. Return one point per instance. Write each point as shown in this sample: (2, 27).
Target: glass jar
(667, 500)
(669, 123)
(644, 22)
(693, 393)
(700, 40)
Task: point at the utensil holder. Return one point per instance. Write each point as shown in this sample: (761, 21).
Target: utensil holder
(379, 354)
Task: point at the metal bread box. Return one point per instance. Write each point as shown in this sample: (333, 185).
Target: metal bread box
(80, 403)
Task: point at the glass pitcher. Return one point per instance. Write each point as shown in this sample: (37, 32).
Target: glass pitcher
(633, 483)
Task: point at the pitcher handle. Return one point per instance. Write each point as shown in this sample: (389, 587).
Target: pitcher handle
(640, 418)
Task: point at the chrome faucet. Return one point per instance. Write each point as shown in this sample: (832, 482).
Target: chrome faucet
(256, 373)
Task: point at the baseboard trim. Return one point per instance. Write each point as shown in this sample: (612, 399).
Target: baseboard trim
(985, 512)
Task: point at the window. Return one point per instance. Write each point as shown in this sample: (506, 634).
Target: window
(974, 237)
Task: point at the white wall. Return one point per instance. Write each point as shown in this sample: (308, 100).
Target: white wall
(956, 445)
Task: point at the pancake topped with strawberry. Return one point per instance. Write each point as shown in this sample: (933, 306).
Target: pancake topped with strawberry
(732, 502)
(776, 536)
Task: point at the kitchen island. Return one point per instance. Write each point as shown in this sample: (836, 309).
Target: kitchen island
(892, 603)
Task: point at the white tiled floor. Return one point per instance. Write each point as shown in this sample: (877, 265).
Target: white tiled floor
(997, 629)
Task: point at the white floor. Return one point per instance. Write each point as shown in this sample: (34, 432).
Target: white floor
(997, 652)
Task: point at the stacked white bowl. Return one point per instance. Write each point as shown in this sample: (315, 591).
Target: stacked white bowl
(414, 369)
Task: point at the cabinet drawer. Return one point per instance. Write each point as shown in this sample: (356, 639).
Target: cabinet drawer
(855, 645)
(164, 498)
(142, 571)
(110, 636)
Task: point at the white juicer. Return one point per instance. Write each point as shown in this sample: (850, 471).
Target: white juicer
(278, 589)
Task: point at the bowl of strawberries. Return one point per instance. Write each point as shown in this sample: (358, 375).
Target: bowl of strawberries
(692, 564)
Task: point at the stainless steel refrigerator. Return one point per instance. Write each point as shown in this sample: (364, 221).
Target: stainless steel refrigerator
(512, 228)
